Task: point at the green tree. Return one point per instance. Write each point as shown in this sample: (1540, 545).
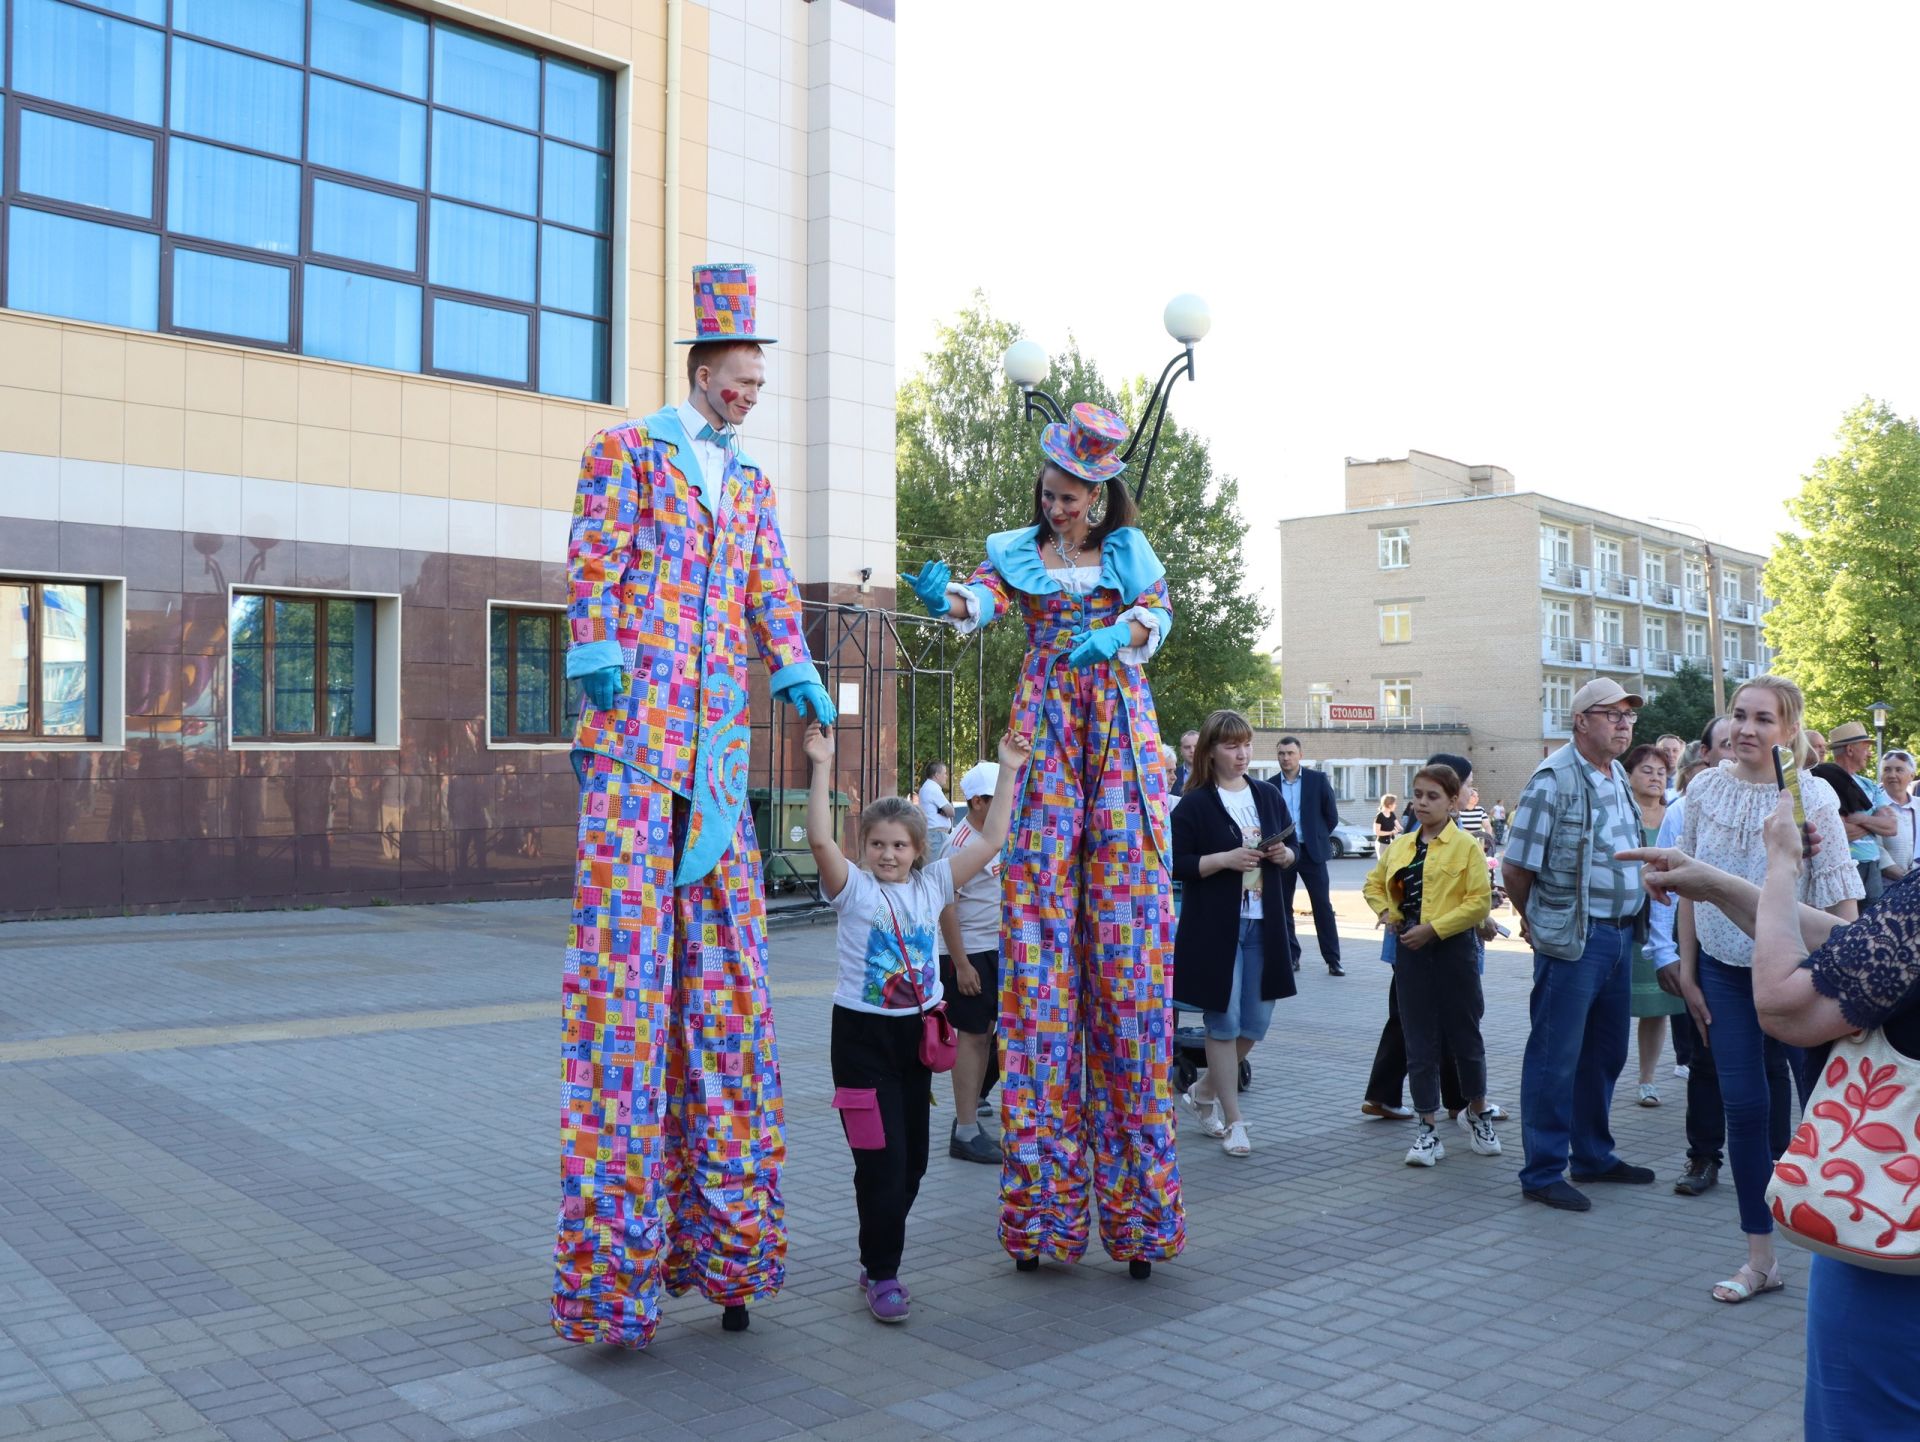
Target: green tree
(1683, 707)
(1844, 625)
(966, 469)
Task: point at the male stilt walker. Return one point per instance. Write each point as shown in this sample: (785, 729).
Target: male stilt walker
(670, 1128)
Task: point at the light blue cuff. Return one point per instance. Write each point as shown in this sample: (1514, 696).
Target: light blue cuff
(795, 674)
(591, 656)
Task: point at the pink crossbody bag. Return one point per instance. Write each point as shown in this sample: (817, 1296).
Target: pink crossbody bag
(938, 1043)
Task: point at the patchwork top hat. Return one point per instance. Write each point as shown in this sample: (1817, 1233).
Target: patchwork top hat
(724, 304)
(1087, 444)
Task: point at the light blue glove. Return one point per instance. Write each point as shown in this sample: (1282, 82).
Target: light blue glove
(1102, 643)
(930, 585)
(603, 687)
(810, 699)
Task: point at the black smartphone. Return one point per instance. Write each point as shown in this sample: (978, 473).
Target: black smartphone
(1285, 833)
(1787, 772)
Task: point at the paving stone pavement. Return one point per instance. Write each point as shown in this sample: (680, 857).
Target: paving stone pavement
(292, 1175)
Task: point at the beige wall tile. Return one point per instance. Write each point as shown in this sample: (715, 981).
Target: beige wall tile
(323, 456)
(473, 416)
(213, 443)
(518, 426)
(269, 449)
(564, 430)
(558, 486)
(29, 421)
(29, 354)
(156, 435)
(621, 10)
(423, 468)
(424, 410)
(534, 14)
(213, 382)
(93, 364)
(517, 479)
(270, 389)
(374, 463)
(571, 23)
(650, 16)
(613, 37)
(92, 429)
(326, 397)
(157, 373)
(471, 473)
(376, 404)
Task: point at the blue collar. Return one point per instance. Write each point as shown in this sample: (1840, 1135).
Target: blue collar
(1127, 563)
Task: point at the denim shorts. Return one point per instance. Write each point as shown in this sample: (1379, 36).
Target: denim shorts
(1246, 1014)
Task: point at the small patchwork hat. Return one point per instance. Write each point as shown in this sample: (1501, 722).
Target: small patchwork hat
(1604, 691)
(725, 304)
(980, 779)
(1087, 444)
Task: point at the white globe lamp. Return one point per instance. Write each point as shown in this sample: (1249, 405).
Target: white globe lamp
(1187, 319)
(1026, 363)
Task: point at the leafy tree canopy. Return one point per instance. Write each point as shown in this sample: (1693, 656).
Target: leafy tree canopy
(1683, 706)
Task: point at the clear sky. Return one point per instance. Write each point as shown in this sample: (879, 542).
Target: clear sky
(1643, 255)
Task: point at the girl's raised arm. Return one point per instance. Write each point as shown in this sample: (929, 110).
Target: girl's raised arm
(827, 855)
(973, 859)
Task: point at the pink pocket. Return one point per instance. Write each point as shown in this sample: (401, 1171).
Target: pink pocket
(860, 1114)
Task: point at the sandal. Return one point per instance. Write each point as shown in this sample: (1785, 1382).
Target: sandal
(1208, 1113)
(1769, 1281)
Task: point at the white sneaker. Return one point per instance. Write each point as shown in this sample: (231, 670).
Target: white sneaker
(1207, 1113)
(1481, 1135)
(1649, 1094)
(1236, 1144)
(1681, 1071)
(1426, 1148)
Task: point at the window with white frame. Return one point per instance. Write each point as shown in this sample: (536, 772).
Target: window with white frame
(1396, 623)
(1656, 633)
(1556, 546)
(1610, 624)
(1396, 548)
(530, 701)
(1696, 573)
(1396, 698)
(1730, 586)
(50, 660)
(1607, 556)
(1697, 640)
(309, 668)
(1653, 565)
(1730, 648)
(1558, 690)
(1556, 620)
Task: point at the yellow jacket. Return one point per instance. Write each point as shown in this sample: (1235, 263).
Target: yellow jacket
(1457, 890)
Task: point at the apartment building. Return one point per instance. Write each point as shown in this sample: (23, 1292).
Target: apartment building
(307, 308)
(1446, 602)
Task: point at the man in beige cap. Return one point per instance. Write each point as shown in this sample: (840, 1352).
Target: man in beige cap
(1582, 911)
(1852, 747)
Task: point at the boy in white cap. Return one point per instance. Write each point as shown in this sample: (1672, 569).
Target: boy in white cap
(970, 971)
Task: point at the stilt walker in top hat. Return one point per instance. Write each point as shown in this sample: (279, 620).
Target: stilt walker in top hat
(671, 1142)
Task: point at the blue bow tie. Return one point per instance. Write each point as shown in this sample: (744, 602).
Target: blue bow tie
(723, 439)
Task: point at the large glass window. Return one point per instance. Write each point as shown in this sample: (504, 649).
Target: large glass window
(528, 695)
(342, 178)
(49, 660)
(302, 667)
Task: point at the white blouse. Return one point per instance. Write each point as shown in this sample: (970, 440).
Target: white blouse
(1723, 828)
(1075, 581)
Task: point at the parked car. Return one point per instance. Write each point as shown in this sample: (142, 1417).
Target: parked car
(1350, 840)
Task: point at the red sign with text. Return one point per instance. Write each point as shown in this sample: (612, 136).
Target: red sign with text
(1339, 712)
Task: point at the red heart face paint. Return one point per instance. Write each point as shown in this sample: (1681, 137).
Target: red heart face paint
(729, 396)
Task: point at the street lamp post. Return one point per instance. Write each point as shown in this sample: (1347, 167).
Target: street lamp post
(1880, 711)
(1187, 319)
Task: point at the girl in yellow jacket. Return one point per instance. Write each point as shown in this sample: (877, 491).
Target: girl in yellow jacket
(1431, 889)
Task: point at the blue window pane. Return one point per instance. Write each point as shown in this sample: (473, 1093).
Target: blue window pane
(81, 269)
(576, 187)
(88, 60)
(231, 297)
(478, 340)
(477, 161)
(360, 318)
(478, 250)
(379, 44)
(272, 27)
(573, 357)
(224, 96)
(365, 225)
(241, 199)
(86, 164)
(579, 104)
(367, 133)
(573, 271)
(153, 11)
(486, 76)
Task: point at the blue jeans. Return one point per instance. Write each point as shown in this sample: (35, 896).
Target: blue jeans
(1754, 1071)
(1246, 1014)
(1574, 1051)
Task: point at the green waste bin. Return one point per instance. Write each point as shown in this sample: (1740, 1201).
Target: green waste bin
(780, 825)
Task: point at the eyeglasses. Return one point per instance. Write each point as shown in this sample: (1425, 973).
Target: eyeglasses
(1613, 718)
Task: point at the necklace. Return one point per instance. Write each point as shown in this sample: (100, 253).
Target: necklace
(1061, 546)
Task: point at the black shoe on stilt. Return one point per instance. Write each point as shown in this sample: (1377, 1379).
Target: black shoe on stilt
(734, 1319)
(1139, 1270)
(1026, 1264)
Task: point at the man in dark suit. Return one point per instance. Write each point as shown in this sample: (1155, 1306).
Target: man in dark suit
(1188, 739)
(1309, 798)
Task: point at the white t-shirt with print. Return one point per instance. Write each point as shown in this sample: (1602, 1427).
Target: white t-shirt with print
(873, 977)
(1246, 815)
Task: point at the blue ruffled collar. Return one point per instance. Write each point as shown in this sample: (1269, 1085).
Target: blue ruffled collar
(1127, 563)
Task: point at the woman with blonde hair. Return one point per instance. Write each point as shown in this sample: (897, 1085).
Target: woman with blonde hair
(1726, 807)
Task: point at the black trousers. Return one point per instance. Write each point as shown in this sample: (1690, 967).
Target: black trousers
(1320, 896)
(1438, 988)
(1390, 1064)
(883, 1095)
(1787, 1071)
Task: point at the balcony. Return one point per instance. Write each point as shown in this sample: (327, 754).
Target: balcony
(1659, 593)
(1616, 586)
(1556, 723)
(1743, 613)
(1615, 657)
(1557, 577)
(1695, 602)
(1738, 671)
(1655, 662)
(1565, 651)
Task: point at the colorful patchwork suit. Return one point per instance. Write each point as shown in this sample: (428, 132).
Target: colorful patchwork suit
(1086, 942)
(671, 1140)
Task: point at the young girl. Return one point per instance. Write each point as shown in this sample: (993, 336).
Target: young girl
(1431, 890)
(889, 909)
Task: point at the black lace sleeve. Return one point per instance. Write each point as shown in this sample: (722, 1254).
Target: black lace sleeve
(1871, 967)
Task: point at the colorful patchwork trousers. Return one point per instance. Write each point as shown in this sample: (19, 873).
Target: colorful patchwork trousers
(1086, 970)
(670, 1125)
